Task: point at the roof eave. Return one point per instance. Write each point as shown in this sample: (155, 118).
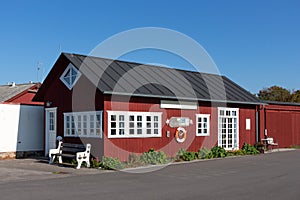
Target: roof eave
(183, 98)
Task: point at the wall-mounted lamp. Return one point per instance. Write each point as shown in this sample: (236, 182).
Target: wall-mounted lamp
(168, 133)
(48, 103)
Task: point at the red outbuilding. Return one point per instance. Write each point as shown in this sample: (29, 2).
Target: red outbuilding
(19, 93)
(281, 121)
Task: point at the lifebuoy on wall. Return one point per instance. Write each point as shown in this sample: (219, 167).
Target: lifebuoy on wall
(180, 135)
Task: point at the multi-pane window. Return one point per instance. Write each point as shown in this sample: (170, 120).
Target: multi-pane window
(113, 122)
(122, 124)
(98, 127)
(228, 136)
(202, 125)
(85, 127)
(139, 124)
(156, 125)
(131, 124)
(52, 121)
(67, 125)
(83, 124)
(149, 124)
(70, 76)
(92, 124)
(79, 125)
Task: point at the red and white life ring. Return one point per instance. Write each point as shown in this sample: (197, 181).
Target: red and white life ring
(180, 135)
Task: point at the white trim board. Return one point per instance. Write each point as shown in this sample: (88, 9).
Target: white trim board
(183, 105)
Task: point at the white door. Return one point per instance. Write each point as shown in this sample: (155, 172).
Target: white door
(50, 129)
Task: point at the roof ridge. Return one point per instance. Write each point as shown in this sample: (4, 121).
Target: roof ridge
(19, 84)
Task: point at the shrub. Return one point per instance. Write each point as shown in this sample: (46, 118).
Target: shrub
(133, 158)
(259, 145)
(74, 162)
(111, 163)
(153, 157)
(239, 152)
(218, 152)
(189, 156)
(184, 155)
(203, 153)
(209, 155)
(95, 163)
(249, 149)
(134, 161)
(179, 154)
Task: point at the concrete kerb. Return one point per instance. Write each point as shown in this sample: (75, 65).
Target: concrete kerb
(31, 169)
(149, 168)
(280, 150)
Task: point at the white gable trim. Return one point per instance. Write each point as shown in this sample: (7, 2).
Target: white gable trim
(71, 83)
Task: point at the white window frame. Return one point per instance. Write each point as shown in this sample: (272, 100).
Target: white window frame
(132, 127)
(228, 126)
(71, 84)
(78, 124)
(201, 125)
(52, 120)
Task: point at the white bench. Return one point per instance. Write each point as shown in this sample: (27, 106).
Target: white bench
(269, 141)
(77, 151)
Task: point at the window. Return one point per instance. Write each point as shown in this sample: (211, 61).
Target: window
(70, 76)
(202, 125)
(52, 121)
(122, 124)
(228, 133)
(83, 124)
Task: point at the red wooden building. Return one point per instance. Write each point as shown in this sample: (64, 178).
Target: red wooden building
(281, 121)
(123, 108)
(19, 93)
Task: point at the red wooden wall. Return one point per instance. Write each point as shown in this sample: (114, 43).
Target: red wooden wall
(282, 122)
(83, 97)
(26, 97)
(123, 147)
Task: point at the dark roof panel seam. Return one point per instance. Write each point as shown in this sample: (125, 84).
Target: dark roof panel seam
(90, 68)
(198, 85)
(168, 79)
(134, 78)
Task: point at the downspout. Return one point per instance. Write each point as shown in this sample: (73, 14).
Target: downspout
(258, 121)
(265, 122)
(257, 124)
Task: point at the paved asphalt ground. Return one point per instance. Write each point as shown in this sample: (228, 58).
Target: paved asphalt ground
(268, 176)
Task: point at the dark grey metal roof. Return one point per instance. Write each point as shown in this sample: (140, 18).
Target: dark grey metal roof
(134, 79)
(281, 103)
(11, 90)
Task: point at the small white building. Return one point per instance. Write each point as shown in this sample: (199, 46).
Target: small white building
(21, 121)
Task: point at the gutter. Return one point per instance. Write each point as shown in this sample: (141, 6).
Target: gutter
(183, 98)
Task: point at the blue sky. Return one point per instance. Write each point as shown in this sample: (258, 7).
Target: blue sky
(254, 43)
